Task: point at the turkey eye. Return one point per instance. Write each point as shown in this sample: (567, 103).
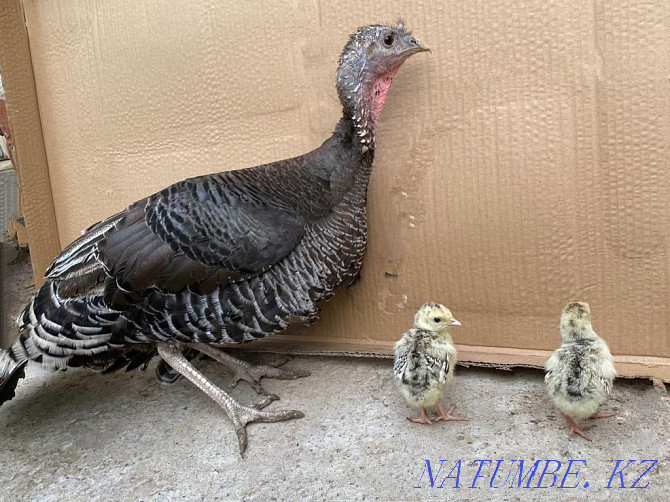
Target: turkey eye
(437, 319)
(388, 40)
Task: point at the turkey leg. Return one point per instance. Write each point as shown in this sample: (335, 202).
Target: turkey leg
(167, 375)
(248, 372)
(240, 415)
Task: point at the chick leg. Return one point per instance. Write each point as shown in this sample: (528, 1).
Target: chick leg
(575, 428)
(240, 415)
(447, 416)
(248, 372)
(603, 415)
(423, 419)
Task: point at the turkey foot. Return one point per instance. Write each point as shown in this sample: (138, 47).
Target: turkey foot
(248, 372)
(239, 414)
(447, 416)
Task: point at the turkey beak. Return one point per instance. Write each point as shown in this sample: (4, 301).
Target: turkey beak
(423, 47)
(454, 322)
(415, 46)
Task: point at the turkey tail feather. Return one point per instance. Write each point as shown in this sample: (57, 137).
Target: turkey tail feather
(12, 362)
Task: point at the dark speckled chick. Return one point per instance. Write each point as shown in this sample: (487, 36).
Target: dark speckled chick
(425, 358)
(579, 374)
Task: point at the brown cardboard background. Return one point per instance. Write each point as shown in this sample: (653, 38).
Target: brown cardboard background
(521, 165)
(27, 139)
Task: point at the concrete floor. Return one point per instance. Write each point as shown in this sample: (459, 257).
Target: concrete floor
(79, 435)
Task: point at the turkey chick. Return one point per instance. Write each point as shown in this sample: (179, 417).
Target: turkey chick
(425, 358)
(580, 373)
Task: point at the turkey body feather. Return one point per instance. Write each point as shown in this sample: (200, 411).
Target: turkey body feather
(209, 229)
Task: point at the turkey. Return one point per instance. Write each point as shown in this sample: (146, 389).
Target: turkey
(219, 259)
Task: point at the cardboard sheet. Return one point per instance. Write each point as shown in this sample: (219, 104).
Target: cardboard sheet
(27, 139)
(521, 165)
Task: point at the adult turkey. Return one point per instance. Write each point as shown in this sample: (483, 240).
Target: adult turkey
(219, 259)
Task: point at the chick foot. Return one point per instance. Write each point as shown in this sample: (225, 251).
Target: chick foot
(248, 372)
(576, 429)
(239, 414)
(423, 419)
(603, 415)
(447, 416)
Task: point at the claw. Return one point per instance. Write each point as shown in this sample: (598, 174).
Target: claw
(266, 400)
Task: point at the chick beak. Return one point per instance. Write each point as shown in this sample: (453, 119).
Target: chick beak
(454, 322)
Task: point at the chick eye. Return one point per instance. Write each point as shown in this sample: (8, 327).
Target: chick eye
(389, 39)
(437, 319)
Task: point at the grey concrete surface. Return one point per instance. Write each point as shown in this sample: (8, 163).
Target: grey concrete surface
(79, 435)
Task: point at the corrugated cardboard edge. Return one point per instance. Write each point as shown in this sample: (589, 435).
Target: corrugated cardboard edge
(24, 118)
(505, 358)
